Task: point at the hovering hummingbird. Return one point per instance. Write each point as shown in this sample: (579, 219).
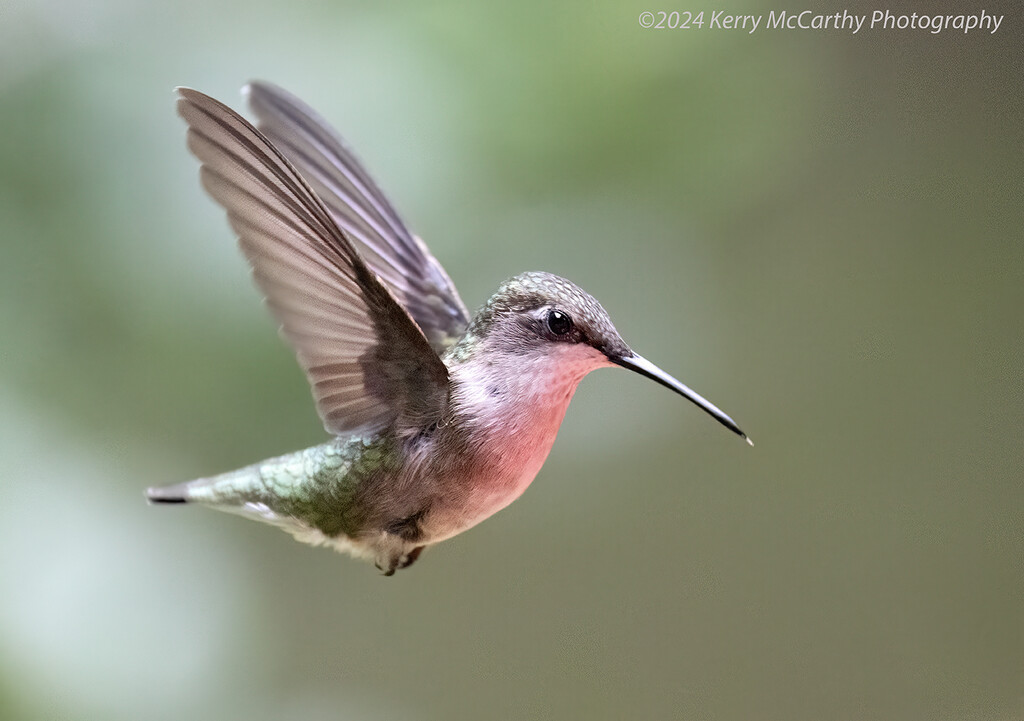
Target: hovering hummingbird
(438, 419)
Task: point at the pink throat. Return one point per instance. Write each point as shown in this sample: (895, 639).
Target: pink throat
(517, 418)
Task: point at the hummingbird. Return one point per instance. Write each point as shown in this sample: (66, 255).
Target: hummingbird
(437, 419)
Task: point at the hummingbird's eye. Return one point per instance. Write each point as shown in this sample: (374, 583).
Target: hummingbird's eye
(559, 323)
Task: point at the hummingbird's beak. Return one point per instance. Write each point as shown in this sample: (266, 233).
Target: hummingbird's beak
(645, 368)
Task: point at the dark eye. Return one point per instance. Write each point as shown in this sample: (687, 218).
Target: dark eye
(559, 323)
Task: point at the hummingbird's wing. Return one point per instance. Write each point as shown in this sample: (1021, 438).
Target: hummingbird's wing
(358, 206)
(367, 361)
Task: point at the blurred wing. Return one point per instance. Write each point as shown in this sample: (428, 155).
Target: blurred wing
(366, 360)
(358, 206)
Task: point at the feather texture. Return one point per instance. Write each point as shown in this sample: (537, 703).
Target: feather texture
(357, 205)
(368, 363)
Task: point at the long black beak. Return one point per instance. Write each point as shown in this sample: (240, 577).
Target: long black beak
(645, 368)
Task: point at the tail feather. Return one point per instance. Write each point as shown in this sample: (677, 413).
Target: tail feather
(267, 492)
(168, 494)
(224, 491)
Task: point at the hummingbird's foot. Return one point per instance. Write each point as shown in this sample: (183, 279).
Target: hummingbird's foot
(410, 557)
(393, 550)
(399, 561)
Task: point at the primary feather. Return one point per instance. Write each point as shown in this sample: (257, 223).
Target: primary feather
(358, 206)
(368, 363)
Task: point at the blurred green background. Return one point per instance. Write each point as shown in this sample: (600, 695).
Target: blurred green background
(820, 232)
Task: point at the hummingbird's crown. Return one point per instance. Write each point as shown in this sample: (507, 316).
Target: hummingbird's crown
(573, 315)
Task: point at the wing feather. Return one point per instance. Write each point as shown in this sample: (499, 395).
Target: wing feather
(358, 205)
(368, 363)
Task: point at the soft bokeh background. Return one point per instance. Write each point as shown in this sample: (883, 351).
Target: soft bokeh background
(820, 232)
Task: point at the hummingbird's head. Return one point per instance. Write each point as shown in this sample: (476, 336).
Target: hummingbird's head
(537, 315)
(550, 329)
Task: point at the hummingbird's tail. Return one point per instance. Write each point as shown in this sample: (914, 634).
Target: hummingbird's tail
(279, 491)
(228, 489)
(177, 493)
